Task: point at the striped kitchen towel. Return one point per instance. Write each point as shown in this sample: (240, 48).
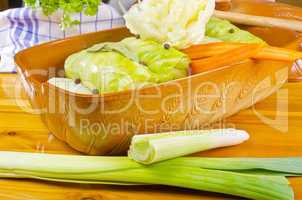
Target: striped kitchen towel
(23, 27)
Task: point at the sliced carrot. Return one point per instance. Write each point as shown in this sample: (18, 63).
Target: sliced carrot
(208, 50)
(279, 54)
(224, 59)
(266, 52)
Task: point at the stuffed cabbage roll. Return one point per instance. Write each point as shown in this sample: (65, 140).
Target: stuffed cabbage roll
(69, 85)
(166, 62)
(227, 32)
(131, 63)
(178, 22)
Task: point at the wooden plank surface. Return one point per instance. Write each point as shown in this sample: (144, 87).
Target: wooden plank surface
(3, 4)
(293, 2)
(274, 124)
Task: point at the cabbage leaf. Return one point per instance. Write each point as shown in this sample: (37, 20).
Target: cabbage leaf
(131, 63)
(177, 22)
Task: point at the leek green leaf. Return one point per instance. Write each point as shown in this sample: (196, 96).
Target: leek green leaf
(290, 165)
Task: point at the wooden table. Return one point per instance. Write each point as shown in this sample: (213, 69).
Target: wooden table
(21, 131)
(293, 2)
(3, 4)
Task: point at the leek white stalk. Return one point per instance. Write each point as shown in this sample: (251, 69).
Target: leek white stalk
(148, 149)
(121, 171)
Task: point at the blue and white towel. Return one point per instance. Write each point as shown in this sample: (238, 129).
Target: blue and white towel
(23, 27)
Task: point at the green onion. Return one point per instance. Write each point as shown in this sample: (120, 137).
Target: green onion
(153, 148)
(123, 171)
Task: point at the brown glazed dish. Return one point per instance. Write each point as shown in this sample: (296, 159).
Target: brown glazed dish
(104, 124)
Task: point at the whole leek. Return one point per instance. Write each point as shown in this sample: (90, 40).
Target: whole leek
(121, 171)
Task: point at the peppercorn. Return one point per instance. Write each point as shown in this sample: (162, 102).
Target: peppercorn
(95, 91)
(231, 30)
(167, 46)
(142, 63)
(77, 81)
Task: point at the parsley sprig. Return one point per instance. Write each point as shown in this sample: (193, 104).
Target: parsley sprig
(69, 7)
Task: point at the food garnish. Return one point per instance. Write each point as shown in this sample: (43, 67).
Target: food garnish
(88, 7)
